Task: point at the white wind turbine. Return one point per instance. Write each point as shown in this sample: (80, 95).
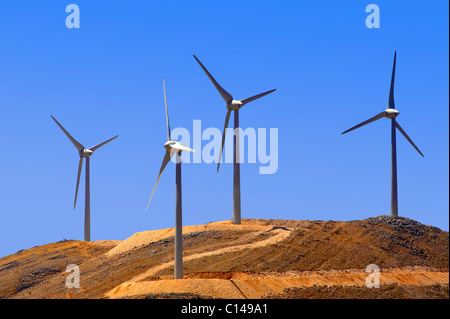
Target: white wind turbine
(391, 113)
(172, 148)
(84, 153)
(233, 105)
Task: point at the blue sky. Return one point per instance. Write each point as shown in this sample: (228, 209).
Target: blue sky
(330, 71)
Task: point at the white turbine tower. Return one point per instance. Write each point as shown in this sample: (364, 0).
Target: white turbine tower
(233, 105)
(391, 113)
(172, 148)
(84, 153)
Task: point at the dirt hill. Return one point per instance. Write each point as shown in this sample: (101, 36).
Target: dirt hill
(258, 259)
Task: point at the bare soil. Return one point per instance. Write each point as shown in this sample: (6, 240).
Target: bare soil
(258, 259)
(390, 291)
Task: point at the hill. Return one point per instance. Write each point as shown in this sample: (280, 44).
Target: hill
(258, 259)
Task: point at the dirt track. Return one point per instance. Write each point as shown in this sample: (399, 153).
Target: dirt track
(198, 286)
(278, 234)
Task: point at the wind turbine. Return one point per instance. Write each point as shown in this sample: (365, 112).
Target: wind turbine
(172, 148)
(233, 105)
(84, 153)
(391, 113)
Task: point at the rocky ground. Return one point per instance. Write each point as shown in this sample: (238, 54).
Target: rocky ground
(258, 259)
(389, 291)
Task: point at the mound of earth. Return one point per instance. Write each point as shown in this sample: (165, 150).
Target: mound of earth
(258, 259)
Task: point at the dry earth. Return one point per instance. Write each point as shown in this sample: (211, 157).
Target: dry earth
(258, 259)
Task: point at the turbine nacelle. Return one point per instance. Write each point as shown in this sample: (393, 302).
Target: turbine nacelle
(168, 145)
(86, 153)
(175, 147)
(391, 113)
(234, 105)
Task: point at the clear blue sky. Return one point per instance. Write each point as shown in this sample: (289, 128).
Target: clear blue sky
(330, 71)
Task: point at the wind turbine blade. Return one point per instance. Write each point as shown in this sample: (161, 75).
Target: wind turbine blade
(166, 160)
(227, 118)
(96, 147)
(391, 104)
(80, 165)
(74, 141)
(225, 95)
(180, 147)
(249, 99)
(376, 117)
(167, 112)
(407, 137)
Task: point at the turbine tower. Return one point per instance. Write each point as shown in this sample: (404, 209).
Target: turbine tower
(233, 105)
(172, 148)
(84, 153)
(391, 113)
